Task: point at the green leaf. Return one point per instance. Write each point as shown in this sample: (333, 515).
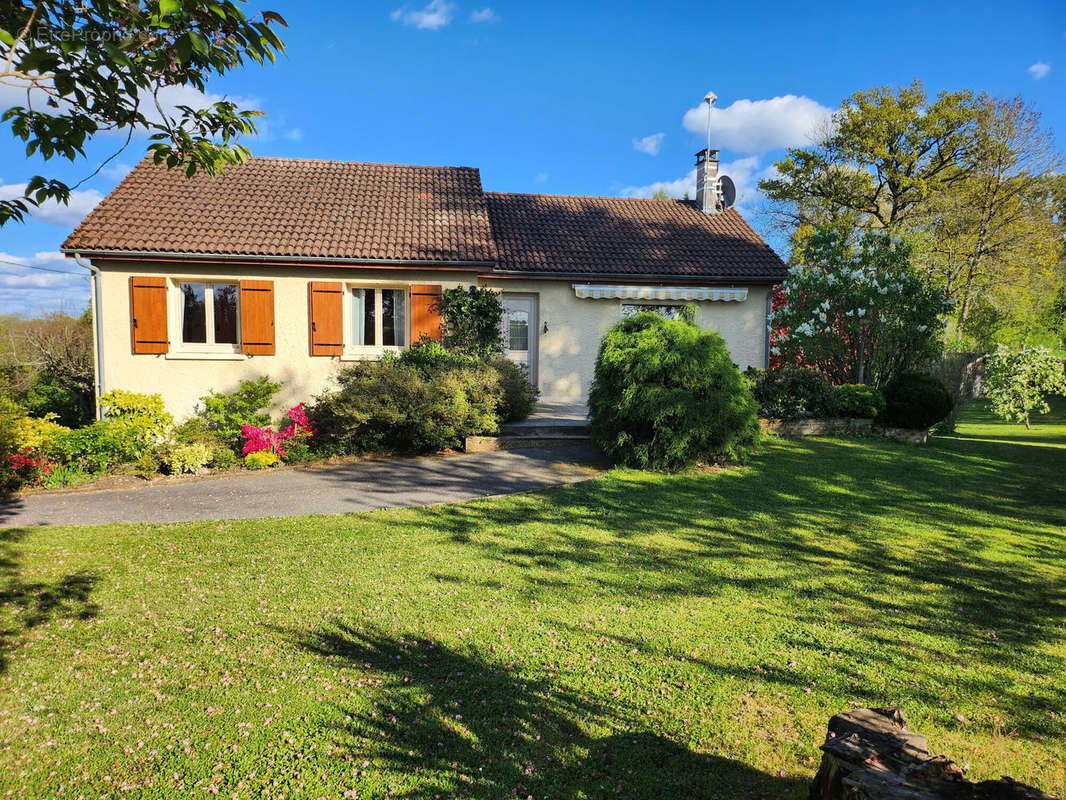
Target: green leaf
(168, 7)
(184, 48)
(199, 43)
(6, 37)
(117, 55)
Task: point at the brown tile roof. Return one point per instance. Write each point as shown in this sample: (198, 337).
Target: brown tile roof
(278, 208)
(626, 236)
(281, 207)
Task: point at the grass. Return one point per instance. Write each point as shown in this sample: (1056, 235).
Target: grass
(637, 636)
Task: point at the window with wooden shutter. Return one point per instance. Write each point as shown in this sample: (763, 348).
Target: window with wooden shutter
(326, 312)
(425, 311)
(257, 318)
(148, 315)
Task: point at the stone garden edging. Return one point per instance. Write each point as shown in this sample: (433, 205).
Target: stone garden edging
(841, 425)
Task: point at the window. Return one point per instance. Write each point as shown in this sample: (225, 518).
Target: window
(377, 319)
(670, 312)
(518, 330)
(209, 316)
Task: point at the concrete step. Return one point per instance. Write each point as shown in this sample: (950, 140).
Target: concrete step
(544, 429)
(480, 444)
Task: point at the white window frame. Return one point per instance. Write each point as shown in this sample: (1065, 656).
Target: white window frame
(374, 351)
(651, 304)
(176, 306)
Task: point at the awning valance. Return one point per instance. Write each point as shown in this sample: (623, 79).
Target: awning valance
(594, 291)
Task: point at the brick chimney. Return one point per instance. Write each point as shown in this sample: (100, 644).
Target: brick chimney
(706, 178)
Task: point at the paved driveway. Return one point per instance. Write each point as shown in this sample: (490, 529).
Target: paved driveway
(362, 486)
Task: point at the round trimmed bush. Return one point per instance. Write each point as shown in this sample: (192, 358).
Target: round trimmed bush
(792, 393)
(857, 400)
(915, 400)
(667, 395)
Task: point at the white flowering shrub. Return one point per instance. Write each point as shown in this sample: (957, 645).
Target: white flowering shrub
(855, 310)
(1019, 383)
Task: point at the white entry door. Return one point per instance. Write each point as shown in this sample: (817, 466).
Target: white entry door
(519, 331)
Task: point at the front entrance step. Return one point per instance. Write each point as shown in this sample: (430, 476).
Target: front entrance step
(526, 428)
(480, 444)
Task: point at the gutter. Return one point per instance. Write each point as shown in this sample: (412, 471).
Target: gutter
(98, 329)
(214, 258)
(629, 277)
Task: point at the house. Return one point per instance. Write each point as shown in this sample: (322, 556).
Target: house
(290, 267)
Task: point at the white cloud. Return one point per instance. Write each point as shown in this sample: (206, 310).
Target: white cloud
(116, 170)
(745, 172)
(650, 144)
(32, 292)
(484, 15)
(433, 17)
(757, 126)
(1040, 70)
(540, 177)
(53, 212)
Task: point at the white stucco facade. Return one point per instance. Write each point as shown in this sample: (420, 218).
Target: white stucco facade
(568, 330)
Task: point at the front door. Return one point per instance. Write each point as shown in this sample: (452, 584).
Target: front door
(519, 331)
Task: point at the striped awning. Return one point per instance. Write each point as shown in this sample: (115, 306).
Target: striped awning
(592, 291)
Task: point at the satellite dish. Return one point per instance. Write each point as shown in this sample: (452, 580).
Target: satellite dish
(727, 191)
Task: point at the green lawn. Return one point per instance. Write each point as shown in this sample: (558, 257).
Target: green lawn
(636, 636)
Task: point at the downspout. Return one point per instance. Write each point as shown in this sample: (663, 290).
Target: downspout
(766, 318)
(98, 330)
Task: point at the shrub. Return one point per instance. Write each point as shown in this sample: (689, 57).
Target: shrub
(10, 414)
(100, 447)
(297, 436)
(37, 433)
(392, 406)
(471, 320)
(187, 458)
(227, 412)
(146, 411)
(792, 393)
(28, 468)
(260, 459)
(430, 357)
(47, 396)
(1018, 383)
(857, 400)
(666, 395)
(223, 458)
(915, 400)
(148, 465)
(519, 395)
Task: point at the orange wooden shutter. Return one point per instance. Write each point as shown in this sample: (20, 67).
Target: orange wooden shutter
(425, 311)
(257, 318)
(326, 308)
(148, 315)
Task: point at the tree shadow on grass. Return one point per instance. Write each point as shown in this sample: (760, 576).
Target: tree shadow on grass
(825, 521)
(27, 605)
(455, 723)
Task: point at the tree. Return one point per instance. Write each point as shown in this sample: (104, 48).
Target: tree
(104, 65)
(471, 320)
(1018, 383)
(855, 310)
(991, 238)
(880, 157)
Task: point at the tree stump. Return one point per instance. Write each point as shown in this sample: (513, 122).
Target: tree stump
(870, 755)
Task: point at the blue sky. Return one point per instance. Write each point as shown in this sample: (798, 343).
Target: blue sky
(569, 98)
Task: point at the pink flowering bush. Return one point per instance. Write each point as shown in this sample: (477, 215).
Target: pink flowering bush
(290, 443)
